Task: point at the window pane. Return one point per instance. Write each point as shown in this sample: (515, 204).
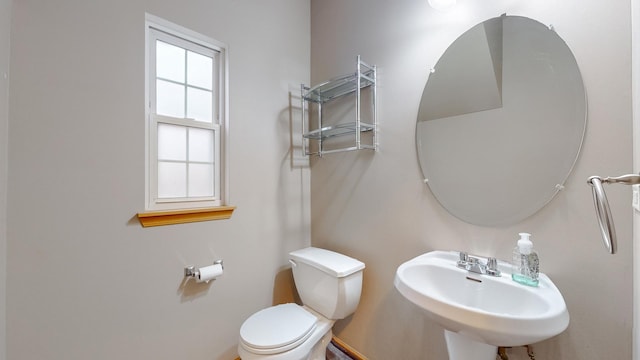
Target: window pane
(169, 62)
(172, 142)
(169, 99)
(199, 70)
(199, 104)
(172, 180)
(200, 180)
(201, 145)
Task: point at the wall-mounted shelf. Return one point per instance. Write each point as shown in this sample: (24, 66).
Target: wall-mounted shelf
(336, 130)
(363, 78)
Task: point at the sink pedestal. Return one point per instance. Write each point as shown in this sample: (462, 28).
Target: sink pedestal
(461, 347)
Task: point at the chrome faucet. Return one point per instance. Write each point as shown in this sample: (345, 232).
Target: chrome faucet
(474, 265)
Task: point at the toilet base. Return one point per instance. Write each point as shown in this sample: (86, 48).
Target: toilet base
(320, 350)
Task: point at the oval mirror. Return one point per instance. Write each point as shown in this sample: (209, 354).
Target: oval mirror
(501, 121)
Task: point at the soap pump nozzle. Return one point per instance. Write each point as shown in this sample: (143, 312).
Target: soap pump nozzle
(524, 243)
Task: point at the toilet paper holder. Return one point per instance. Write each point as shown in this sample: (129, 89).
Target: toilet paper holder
(194, 272)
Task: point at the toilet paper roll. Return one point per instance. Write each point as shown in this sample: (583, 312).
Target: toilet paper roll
(209, 273)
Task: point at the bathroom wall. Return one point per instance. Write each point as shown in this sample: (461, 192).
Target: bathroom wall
(376, 208)
(635, 23)
(85, 280)
(5, 29)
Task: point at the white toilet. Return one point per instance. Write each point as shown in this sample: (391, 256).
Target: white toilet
(329, 285)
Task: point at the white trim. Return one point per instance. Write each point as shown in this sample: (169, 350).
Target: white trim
(147, 114)
(152, 21)
(220, 124)
(223, 121)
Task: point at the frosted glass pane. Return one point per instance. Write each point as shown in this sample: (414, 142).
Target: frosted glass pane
(200, 180)
(201, 145)
(169, 99)
(172, 142)
(199, 70)
(169, 62)
(172, 180)
(199, 104)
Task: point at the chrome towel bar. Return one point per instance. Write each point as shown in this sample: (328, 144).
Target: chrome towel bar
(603, 212)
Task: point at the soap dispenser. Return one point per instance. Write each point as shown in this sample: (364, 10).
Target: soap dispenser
(526, 265)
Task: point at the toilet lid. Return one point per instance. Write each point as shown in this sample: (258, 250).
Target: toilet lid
(278, 328)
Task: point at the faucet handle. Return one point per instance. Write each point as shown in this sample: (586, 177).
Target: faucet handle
(492, 267)
(464, 259)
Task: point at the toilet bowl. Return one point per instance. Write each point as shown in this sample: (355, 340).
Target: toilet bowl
(329, 285)
(284, 332)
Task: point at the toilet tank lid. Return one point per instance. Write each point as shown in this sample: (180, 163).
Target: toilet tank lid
(332, 263)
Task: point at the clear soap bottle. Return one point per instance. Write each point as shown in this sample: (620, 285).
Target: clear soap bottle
(526, 265)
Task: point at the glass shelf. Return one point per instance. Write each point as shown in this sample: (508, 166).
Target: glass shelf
(337, 130)
(339, 86)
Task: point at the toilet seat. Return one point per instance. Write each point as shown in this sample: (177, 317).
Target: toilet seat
(277, 329)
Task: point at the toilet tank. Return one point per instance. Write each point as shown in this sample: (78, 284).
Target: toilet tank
(327, 282)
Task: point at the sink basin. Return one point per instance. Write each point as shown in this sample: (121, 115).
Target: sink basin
(492, 310)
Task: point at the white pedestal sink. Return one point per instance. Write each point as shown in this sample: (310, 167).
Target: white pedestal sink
(481, 312)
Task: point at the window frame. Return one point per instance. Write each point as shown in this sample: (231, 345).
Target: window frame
(185, 38)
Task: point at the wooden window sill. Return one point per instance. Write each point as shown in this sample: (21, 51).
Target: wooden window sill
(171, 217)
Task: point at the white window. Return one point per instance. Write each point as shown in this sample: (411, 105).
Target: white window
(186, 118)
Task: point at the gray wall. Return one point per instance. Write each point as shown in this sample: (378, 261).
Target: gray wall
(376, 208)
(635, 21)
(85, 281)
(5, 30)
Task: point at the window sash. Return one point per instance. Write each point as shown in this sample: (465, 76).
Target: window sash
(211, 52)
(216, 199)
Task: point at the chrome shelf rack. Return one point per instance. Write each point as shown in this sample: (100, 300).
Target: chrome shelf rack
(363, 78)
